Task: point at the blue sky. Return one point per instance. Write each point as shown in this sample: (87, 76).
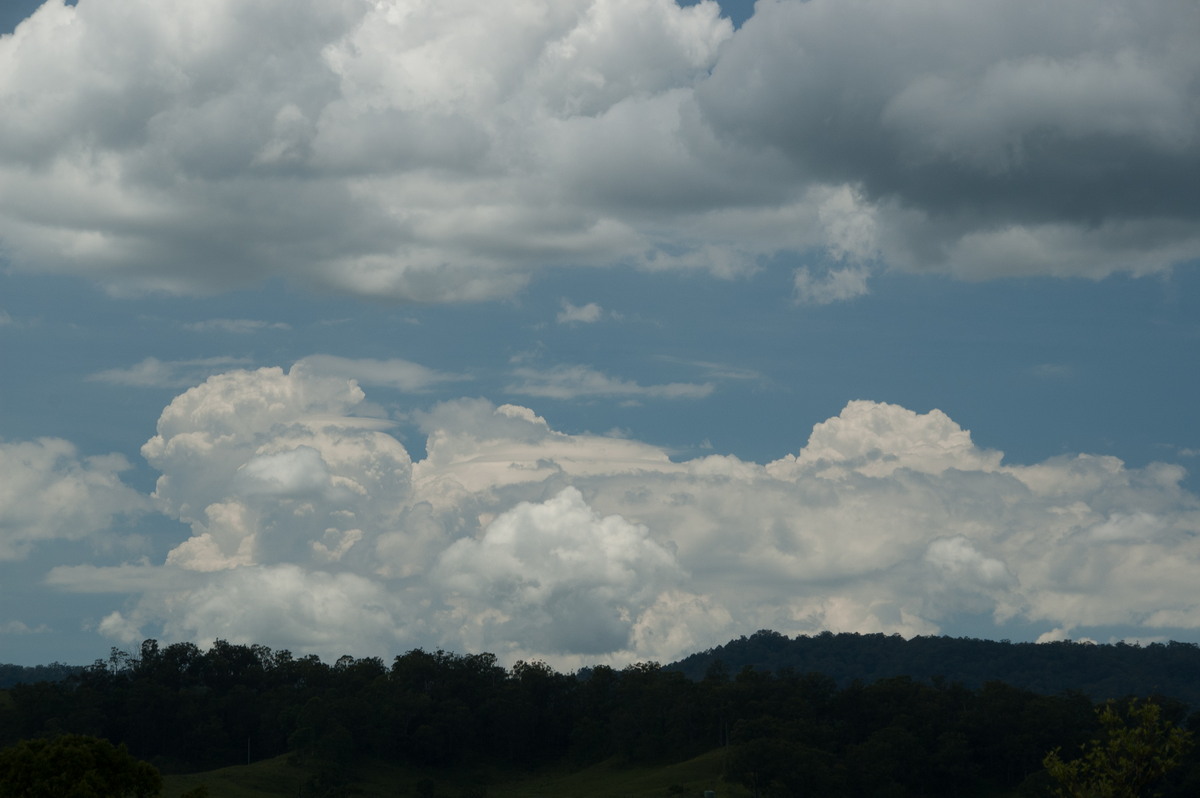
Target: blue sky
(596, 331)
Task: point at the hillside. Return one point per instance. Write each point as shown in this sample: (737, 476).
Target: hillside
(825, 715)
(1098, 671)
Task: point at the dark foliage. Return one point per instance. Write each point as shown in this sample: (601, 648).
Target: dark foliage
(1098, 671)
(25, 674)
(74, 766)
(789, 730)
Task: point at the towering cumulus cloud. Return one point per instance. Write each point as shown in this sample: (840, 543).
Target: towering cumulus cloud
(310, 527)
(446, 151)
(267, 466)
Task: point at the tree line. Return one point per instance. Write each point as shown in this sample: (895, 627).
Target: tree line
(22, 674)
(1099, 671)
(786, 731)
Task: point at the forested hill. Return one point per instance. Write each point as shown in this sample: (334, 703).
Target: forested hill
(1099, 671)
(793, 731)
(28, 674)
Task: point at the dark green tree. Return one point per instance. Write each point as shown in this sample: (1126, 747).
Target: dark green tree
(1135, 750)
(75, 766)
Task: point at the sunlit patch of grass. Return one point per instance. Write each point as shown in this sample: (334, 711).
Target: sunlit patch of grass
(266, 778)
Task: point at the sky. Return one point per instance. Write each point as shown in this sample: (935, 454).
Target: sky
(596, 331)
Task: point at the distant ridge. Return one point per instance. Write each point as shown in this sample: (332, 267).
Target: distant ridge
(1099, 671)
(29, 674)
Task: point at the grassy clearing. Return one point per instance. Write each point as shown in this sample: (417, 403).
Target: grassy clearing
(612, 780)
(270, 777)
(275, 777)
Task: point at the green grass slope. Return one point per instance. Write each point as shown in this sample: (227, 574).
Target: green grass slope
(608, 779)
(270, 777)
(276, 777)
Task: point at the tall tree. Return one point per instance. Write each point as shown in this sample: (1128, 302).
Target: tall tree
(1135, 750)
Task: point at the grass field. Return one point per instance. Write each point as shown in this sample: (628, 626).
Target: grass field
(276, 777)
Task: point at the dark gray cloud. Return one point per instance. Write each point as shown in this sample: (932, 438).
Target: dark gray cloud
(450, 152)
(979, 117)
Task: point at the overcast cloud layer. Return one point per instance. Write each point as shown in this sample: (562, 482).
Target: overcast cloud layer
(311, 528)
(447, 151)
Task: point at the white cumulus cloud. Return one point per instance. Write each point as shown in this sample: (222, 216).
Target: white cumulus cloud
(264, 464)
(309, 527)
(557, 577)
(49, 491)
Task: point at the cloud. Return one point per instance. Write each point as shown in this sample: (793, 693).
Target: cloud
(139, 577)
(264, 465)
(449, 153)
(574, 382)
(49, 492)
(312, 610)
(393, 373)
(557, 577)
(277, 482)
(309, 527)
(235, 326)
(982, 139)
(294, 472)
(474, 447)
(21, 628)
(571, 314)
(155, 373)
(717, 371)
(400, 150)
(836, 285)
(875, 439)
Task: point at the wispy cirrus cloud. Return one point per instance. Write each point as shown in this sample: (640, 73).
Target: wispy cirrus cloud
(716, 371)
(21, 628)
(154, 373)
(393, 372)
(576, 382)
(235, 326)
(835, 285)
